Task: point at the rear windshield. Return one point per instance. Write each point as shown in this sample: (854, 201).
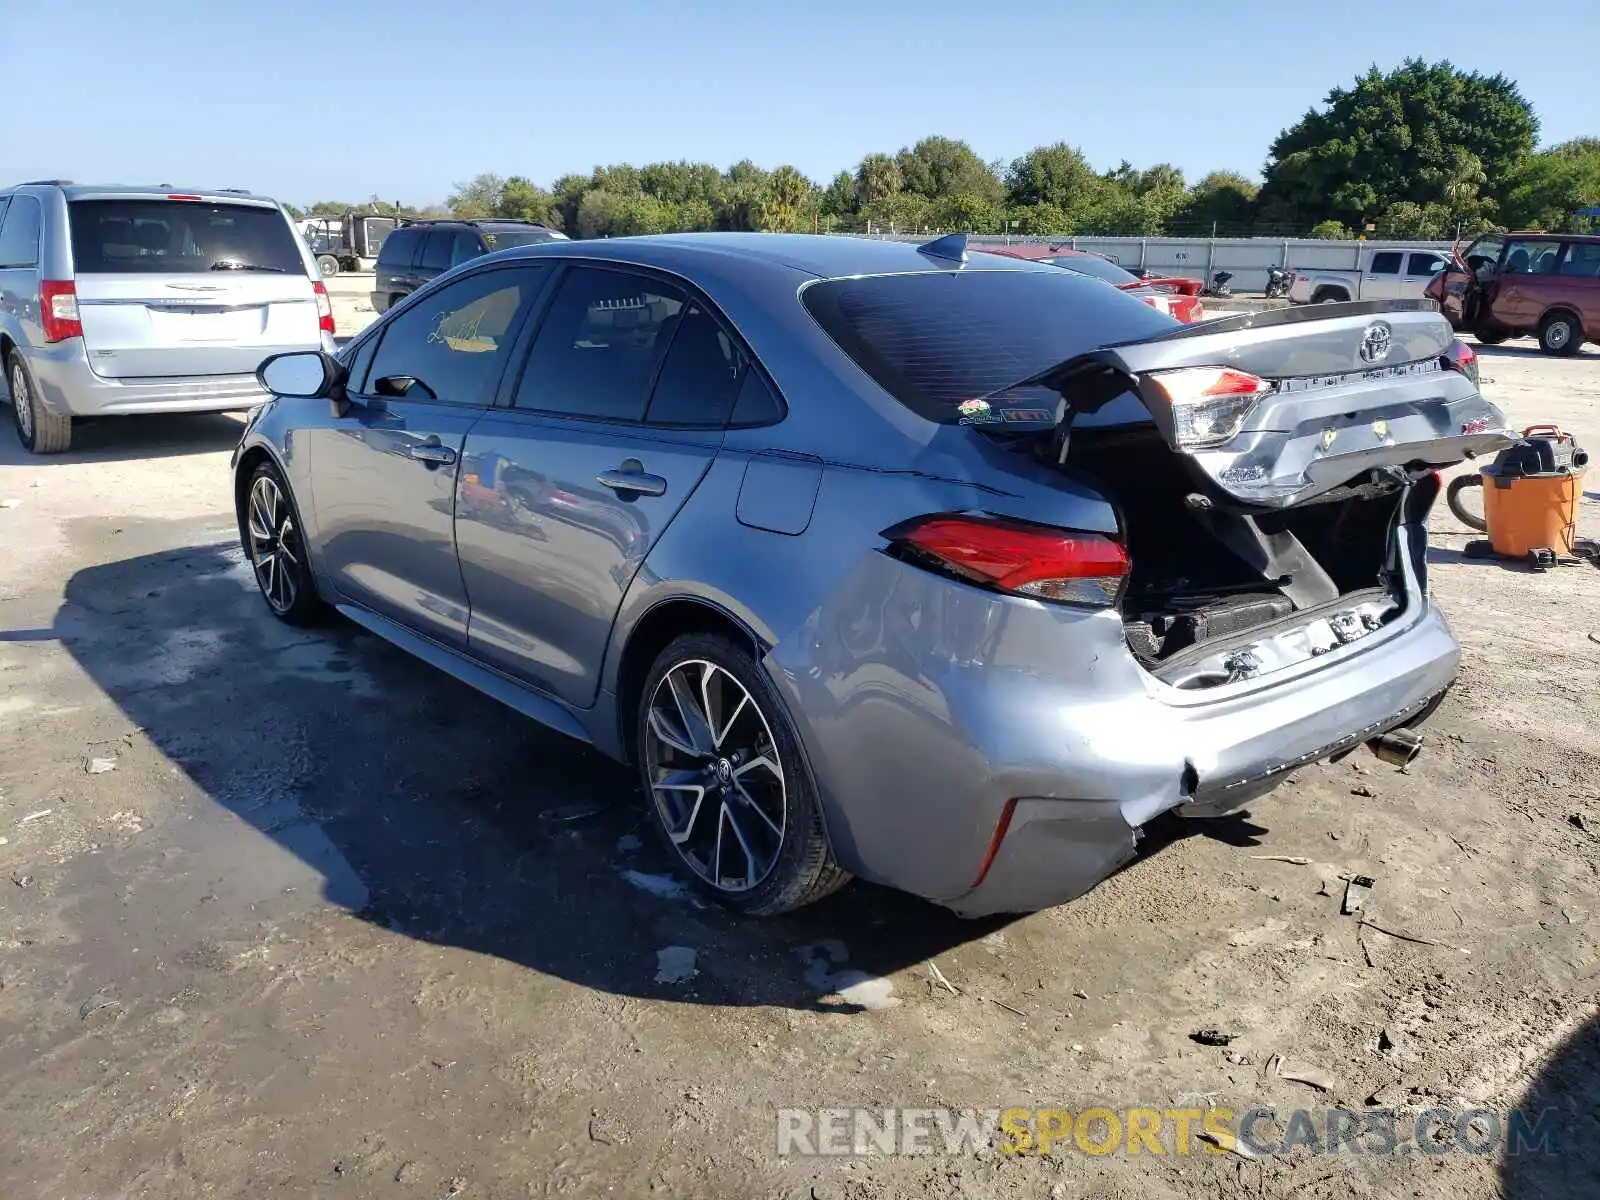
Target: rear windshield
(1090, 265)
(943, 343)
(168, 237)
(499, 237)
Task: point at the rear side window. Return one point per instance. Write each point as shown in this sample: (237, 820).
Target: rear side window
(1088, 264)
(937, 341)
(599, 344)
(19, 233)
(171, 237)
(1424, 264)
(436, 250)
(700, 376)
(1386, 263)
(399, 248)
(1583, 260)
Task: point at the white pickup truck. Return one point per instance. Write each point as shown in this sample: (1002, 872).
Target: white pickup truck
(1387, 274)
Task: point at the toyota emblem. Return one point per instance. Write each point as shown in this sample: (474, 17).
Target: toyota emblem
(1375, 342)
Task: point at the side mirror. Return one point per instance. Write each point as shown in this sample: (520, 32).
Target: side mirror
(303, 375)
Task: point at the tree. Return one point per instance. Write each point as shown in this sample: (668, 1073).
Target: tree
(596, 212)
(1548, 188)
(1058, 175)
(937, 167)
(477, 198)
(902, 212)
(330, 208)
(569, 192)
(877, 178)
(1221, 200)
(1037, 219)
(968, 213)
(784, 194)
(1331, 231)
(1408, 221)
(1394, 137)
(521, 200)
(839, 198)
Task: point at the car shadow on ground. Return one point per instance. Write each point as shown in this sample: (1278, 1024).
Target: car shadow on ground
(1529, 349)
(115, 439)
(466, 824)
(1562, 1096)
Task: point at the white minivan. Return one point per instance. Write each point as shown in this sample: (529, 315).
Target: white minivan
(128, 300)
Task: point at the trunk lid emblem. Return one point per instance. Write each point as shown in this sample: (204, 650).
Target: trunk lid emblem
(1375, 342)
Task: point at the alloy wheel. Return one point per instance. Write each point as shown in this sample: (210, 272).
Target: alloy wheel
(275, 548)
(714, 775)
(21, 402)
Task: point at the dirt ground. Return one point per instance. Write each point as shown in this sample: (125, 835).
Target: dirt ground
(286, 913)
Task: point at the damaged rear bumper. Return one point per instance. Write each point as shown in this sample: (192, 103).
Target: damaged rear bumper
(961, 707)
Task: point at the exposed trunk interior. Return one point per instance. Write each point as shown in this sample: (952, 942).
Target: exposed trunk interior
(1206, 576)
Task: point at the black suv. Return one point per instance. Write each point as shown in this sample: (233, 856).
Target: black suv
(415, 253)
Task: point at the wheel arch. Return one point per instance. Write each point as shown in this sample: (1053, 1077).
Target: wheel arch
(655, 629)
(1323, 290)
(1564, 308)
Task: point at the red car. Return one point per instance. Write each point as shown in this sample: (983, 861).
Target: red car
(1177, 297)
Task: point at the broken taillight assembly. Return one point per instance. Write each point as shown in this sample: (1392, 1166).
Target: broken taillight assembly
(1018, 557)
(1463, 358)
(1209, 404)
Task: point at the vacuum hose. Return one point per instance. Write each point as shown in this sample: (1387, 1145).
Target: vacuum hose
(1463, 514)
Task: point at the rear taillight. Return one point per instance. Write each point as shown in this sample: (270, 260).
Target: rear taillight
(1019, 557)
(324, 307)
(1209, 404)
(58, 310)
(1461, 357)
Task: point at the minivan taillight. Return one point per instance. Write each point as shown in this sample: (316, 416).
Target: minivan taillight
(1018, 557)
(1461, 357)
(324, 307)
(58, 310)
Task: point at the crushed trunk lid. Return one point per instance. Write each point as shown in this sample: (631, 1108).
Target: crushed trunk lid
(1276, 408)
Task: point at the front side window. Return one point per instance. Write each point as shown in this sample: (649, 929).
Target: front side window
(169, 237)
(1385, 263)
(464, 247)
(597, 349)
(1484, 253)
(451, 346)
(1532, 257)
(19, 233)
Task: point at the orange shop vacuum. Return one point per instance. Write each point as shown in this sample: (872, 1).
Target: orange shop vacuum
(1530, 500)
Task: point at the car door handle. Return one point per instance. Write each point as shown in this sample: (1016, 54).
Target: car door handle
(433, 454)
(632, 479)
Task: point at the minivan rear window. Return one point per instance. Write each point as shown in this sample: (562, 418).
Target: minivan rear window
(168, 237)
(939, 341)
(399, 249)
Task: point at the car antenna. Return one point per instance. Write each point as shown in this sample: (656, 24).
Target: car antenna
(952, 247)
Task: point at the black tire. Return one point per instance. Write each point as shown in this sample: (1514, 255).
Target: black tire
(1560, 333)
(291, 595)
(1328, 295)
(328, 265)
(1490, 337)
(39, 431)
(1452, 497)
(802, 867)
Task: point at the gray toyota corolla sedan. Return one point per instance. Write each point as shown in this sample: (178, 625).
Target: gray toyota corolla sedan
(876, 559)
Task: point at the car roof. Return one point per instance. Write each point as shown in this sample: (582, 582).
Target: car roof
(111, 191)
(1546, 235)
(827, 256)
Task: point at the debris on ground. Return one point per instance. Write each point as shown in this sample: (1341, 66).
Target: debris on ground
(663, 887)
(99, 766)
(1212, 1037)
(36, 816)
(1362, 789)
(1282, 1068)
(938, 978)
(1232, 1145)
(568, 813)
(22, 881)
(1578, 821)
(1006, 1006)
(1294, 860)
(1356, 889)
(1411, 937)
(96, 1003)
(675, 964)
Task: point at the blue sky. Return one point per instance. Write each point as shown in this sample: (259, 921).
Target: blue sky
(270, 95)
